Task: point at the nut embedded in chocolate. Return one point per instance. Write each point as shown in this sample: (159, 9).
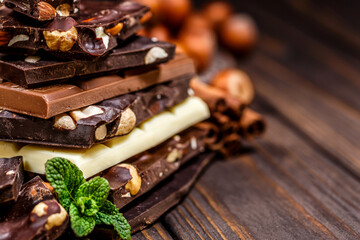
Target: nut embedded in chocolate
(154, 54)
(127, 122)
(101, 132)
(4, 38)
(116, 29)
(46, 11)
(64, 122)
(63, 10)
(86, 112)
(134, 185)
(60, 40)
(18, 38)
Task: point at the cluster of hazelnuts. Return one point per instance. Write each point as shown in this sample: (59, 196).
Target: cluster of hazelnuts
(197, 33)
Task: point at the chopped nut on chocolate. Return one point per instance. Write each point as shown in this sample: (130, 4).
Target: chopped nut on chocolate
(100, 33)
(56, 219)
(86, 112)
(127, 122)
(101, 132)
(32, 59)
(174, 155)
(63, 10)
(60, 40)
(18, 38)
(64, 122)
(116, 29)
(154, 54)
(40, 209)
(134, 184)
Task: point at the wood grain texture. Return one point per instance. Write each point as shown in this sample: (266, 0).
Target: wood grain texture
(302, 179)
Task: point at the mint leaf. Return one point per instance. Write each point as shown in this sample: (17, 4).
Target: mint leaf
(87, 206)
(109, 215)
(80, 224)
(65, 178)
(97, 189)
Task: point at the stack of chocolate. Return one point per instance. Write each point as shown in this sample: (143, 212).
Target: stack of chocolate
(79, 84)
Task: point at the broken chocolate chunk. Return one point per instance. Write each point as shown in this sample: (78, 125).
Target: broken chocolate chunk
(11, 178)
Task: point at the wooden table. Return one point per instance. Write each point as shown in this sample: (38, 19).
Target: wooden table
(302, 179)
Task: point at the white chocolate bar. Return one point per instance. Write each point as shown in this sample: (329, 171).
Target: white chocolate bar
(102, 156)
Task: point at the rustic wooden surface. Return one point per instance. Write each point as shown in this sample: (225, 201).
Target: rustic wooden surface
(302, 179)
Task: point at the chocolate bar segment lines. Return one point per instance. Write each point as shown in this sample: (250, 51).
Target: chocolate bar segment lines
(52, 100)
(153, 166)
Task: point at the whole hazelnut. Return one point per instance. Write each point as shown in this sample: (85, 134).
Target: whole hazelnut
(239, 33)
(217, 12)
(236, 83)
(200, 46)
(154, 6)
(159, 32)
(173, 12)
(195, 22)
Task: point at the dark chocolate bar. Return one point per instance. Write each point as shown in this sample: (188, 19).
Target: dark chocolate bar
(87, 37)
(11, 178)
(141, 173)
(149, 208)
(46, 102)
(97, 123)
(136, 52)
(166, 195)
(35, 215)
(31, 193)
(44, 10)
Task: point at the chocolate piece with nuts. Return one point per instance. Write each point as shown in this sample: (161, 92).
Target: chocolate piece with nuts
(44, 10)
(90, 36)
(143, 172)
(47, 220)
(11, 178)
(31, 193)
(84, 127)
(48, 70)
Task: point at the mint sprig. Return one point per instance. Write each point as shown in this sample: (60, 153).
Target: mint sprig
(86, 202)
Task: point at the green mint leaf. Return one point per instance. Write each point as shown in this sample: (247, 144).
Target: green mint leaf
(80, 224)
(65, 177)
(87, 206)
(109, 215)
(109, 208)
(96, 189)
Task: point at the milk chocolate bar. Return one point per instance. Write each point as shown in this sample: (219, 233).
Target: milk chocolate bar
(141, 173)
(46, 102)
(136, 52)
(44, 10)
(87, 37)
(11, 178)
(98, 123)
(33, 214)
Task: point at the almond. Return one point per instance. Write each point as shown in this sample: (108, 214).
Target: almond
(46, 11)
(5, 37)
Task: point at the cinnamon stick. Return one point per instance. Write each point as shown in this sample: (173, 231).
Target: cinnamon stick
(217, 100)
(252, 124)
